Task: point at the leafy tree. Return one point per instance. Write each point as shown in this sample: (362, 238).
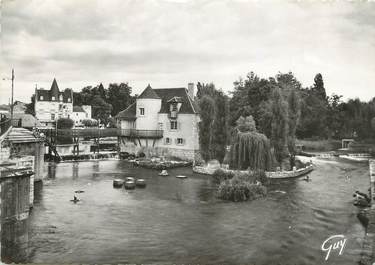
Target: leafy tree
(65, 123)
(318, 87)
(101, 110)
(207, 110)
(30, 108)
(119, 97)
(279, 126)
(294, 112)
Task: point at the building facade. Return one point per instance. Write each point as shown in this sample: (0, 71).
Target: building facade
(50, 105)
(81, 113)
(162, 122)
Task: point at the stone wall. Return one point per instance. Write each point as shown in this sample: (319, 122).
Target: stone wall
(4, 151)
(184, 154)
(14, 205)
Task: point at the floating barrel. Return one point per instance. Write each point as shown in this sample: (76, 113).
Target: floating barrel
(117, 183)
(141, 183)
(129, 185)
(130, 179)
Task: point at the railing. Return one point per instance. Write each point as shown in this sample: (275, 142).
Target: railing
(99, 133)
(5, 125)
(142, 133)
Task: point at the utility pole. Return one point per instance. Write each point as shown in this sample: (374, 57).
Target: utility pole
(11, 106)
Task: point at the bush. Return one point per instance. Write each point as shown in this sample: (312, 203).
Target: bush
(236, 189)
(90, 123)
(221, 175)
(65, 123)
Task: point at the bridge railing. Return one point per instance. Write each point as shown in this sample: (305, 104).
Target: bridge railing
(99, 133)
(142, 133)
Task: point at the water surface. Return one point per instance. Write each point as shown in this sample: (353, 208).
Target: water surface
(179, 221)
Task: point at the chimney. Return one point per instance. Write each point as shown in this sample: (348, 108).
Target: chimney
(191, 90)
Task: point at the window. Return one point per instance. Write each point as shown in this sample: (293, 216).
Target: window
(167, 140)
(141, 111)
(180, 141)
(173, 125)
(68, 99)
(52, 116)
(53, 98)
(61, 98)
(41, 97)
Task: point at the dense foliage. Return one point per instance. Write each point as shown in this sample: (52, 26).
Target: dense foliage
(65, 123)
(213, 127)
(240, 186)
(250, 149)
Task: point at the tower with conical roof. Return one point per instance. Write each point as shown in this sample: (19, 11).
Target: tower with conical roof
(54, 90)
(148, 105)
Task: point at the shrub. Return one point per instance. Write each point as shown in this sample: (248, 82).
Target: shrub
(90, 123)
(236, 189)
(65, 123)
(221, 175)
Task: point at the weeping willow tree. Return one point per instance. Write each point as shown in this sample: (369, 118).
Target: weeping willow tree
(250, 149)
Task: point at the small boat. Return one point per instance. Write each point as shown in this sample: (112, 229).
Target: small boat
(79, 191)
(181, 177)
(75, 201)
(129, 185)
(117, 183)
(163, 173)
(141, 183)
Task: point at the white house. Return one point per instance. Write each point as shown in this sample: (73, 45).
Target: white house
(162, 122)
(50, 105)
(81, 113)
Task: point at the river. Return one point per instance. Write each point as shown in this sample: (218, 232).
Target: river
(179, 221)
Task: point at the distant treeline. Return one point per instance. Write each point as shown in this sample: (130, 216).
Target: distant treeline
(283, 110)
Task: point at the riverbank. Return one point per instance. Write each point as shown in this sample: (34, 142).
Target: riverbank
(368, 251)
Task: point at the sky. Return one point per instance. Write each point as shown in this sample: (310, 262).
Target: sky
(169, 43)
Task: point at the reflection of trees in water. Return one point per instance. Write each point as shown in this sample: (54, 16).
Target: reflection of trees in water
(51, 171)
(75, 169)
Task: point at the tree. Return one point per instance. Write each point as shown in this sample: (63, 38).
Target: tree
(119, 97)
(279, 126)
(250, 149)
(30, 108)
(294, 112)
(318, 87)
(207, 110)
(101, 110)
(65, 123)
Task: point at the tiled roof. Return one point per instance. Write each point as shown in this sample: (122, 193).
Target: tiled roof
(21, 135)
(166, 94)
(149, 93)
(27, 120)
(54, 91)
(78, 109)
(128, 114)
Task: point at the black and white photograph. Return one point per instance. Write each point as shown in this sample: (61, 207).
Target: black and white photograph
(187, 132)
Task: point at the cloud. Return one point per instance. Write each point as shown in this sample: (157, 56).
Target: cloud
(170, 43)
